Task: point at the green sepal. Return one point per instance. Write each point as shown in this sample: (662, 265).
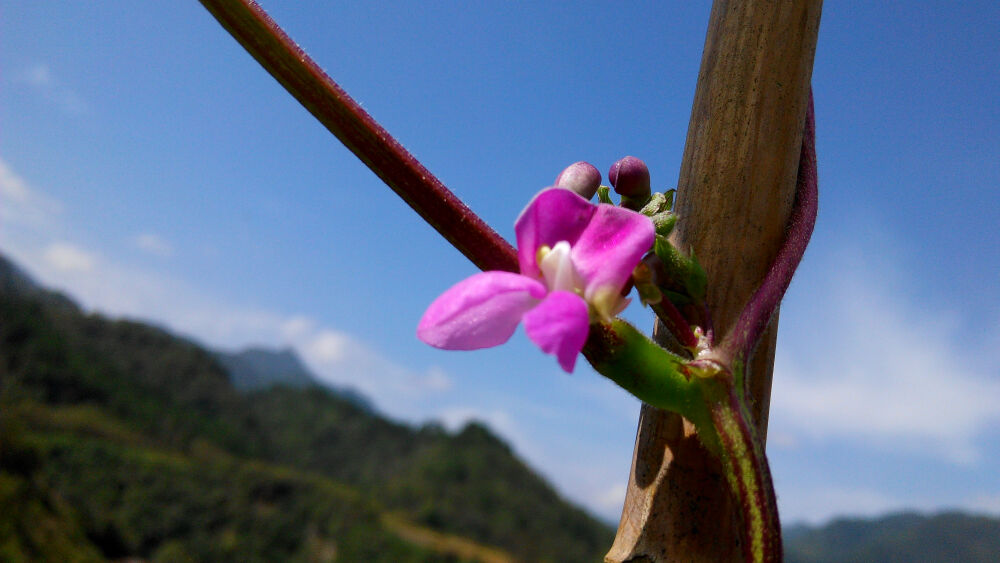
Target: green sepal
(669, 196)
(676, 298)
(649, 294)
(604, 194)
(675, 264)
(642, 278)
(696, 282)
(657, 208)
(657, 204)
(667, 254)
(683, 273)
(664, 223)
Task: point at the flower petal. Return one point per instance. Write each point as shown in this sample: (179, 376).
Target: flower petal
(480, 311)
(611, 247)
(554, 215)
(558, 270)
(559, 326)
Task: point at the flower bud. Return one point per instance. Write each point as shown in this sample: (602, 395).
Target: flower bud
(630, 178)
(580, 177)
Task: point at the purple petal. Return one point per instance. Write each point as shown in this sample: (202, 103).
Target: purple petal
(611, 247)
(479, 312)
(553, 215)
(559, 326)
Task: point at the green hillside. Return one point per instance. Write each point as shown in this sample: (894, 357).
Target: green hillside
(121, 440)
(949, 537)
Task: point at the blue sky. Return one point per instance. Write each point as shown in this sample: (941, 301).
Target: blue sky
(151, 169)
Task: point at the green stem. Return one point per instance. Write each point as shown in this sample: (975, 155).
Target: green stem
(648, 371)
(747, 472)
(707, 394)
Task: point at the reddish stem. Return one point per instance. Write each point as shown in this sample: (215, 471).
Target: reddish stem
(757, 314)
(675, 323)
(331, 105)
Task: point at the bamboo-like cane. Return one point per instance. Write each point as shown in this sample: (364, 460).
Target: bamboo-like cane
(735, 194)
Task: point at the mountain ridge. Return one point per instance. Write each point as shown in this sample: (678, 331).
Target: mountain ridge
(259, 367)
(942, 537)
(110, 393)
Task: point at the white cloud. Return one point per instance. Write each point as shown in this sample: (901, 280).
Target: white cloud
(65, 257)
(21, 204)
(40, 78)
(297, 327)
(887, 373)
(341, 359)
(437, 380)
(328, 348)
(609, 502)
(985, 504)
(12, 187)
(153, 244)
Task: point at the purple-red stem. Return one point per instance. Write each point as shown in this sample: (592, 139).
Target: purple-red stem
(757, 314)
(329, 103)
(675, 323)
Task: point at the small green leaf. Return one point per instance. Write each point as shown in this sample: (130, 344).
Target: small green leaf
(683, 274)
(677, 298)
(657, 203)
(664, 223)
(649, 294)
(669, 195)
(696, 281)
(604, 194)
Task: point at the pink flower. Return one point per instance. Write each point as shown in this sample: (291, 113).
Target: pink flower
(575, 258)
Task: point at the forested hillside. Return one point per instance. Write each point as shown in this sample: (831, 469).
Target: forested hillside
(950, 537)
(121, 440)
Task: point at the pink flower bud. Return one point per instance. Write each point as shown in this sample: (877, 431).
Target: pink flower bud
(580, 177)
(630, 178)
